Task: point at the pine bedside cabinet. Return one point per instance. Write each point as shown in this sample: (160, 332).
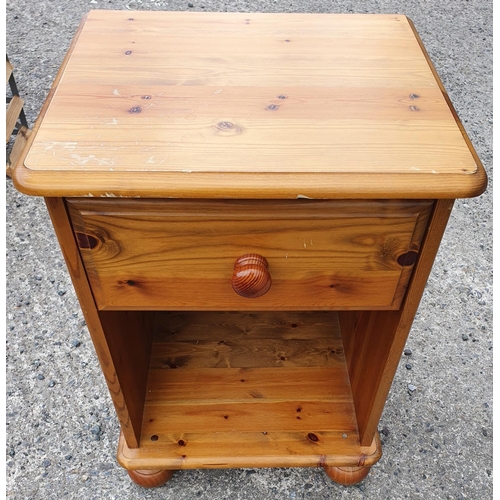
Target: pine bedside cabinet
(249, 206)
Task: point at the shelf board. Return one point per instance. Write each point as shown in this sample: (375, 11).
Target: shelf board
(247, 390)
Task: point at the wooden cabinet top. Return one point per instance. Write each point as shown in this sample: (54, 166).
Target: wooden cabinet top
(244, 105)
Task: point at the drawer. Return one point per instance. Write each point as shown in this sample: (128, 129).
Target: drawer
(181, 254)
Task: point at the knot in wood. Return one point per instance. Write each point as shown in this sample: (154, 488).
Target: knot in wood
(227, 128)
(224, 125)
(408, 258)
(312, 437)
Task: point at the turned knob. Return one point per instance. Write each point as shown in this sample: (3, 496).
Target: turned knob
(251, 276)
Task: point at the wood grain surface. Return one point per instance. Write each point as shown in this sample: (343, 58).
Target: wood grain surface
(167, 254)
(242, 340)
(351, 100)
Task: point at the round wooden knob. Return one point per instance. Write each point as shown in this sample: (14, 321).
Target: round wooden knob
(251, 276)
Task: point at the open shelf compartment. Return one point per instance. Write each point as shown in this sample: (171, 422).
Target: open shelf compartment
(232, 389)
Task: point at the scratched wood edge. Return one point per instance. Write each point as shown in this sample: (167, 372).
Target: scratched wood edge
(246, 185)
(136, 458)
(389, 331)
(64, 233)
(480, 174)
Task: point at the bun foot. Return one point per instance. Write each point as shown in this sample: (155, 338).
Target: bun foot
(150, 478)
(346, 475)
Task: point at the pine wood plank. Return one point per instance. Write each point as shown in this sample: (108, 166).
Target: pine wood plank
(292, 158)
(204, 385)
(217, 123)
(205, 340)
(13, 111)
(228, 353)
(260, 71)
(290, 325)
(264, 416)
(170, 107)
(357, 26)
(336, 45)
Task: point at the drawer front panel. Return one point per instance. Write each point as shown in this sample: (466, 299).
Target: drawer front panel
(180, 254)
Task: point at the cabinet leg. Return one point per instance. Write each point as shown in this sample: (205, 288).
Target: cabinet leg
(346, 475)
(150, 478)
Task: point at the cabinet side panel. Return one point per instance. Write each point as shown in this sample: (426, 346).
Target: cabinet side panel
(129, 336)
(115, 371)
(374, 340)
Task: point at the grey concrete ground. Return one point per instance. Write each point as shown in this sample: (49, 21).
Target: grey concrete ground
(61, 428)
